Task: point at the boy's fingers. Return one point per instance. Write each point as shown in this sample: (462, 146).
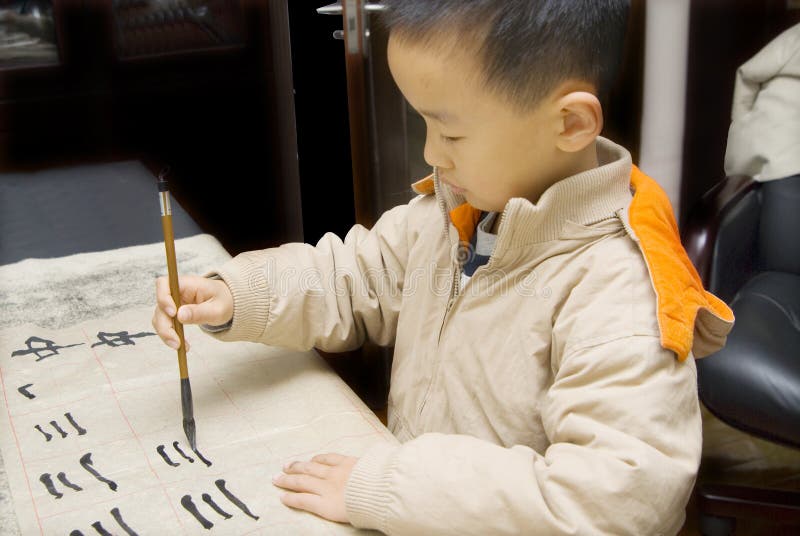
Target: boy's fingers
(163, 297)
(300, 483)
(310, 468)
(303, 501)
(204, 313)
(163, 326)
(330, 458)
(316, 504)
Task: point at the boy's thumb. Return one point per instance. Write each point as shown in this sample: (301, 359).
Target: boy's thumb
(198, 314)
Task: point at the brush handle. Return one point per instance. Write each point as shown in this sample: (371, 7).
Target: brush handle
(172, 271)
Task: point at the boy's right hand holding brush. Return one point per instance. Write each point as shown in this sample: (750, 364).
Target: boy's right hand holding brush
(205, 301)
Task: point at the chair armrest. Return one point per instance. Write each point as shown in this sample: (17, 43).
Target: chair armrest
(750, 503)
(702, 228)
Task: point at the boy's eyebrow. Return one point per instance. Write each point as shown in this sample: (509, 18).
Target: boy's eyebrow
(442, 117)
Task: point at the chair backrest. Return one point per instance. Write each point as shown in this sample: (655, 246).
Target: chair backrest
(734, 257)
(760, 232)
(779, 229)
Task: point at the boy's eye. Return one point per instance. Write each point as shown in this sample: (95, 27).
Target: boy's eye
(450, 139)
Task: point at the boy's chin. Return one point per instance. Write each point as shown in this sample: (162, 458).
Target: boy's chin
(482, 205)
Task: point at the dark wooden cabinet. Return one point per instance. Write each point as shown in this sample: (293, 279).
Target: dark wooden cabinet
(169, 88)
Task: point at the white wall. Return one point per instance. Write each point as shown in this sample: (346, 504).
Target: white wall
(663, 106)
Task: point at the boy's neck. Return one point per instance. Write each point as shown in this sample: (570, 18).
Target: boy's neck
(584, 160)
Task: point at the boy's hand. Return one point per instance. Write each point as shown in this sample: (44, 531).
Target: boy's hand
(317, 486)
(205, 301)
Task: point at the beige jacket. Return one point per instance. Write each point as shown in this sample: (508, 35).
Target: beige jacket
(538, 400)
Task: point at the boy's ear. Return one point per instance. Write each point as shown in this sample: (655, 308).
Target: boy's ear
(581, 120)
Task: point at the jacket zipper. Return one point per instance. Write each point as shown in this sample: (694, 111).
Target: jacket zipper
(453, 294)
(455, 291)
(456, 288)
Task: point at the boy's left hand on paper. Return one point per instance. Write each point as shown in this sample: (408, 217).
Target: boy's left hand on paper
(317, 486)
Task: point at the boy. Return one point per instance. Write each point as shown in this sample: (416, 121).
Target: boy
(542, 379)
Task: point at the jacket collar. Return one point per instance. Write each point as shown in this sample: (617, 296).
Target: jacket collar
(585, 198)
(690, 318)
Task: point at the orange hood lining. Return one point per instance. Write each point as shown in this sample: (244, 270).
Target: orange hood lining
(678, 287)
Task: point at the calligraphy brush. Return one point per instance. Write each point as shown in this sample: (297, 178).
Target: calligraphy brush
(172, 269)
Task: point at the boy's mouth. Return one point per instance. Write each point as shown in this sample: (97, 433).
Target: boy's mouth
(455, 189)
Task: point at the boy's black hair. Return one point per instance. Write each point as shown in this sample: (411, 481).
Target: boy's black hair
(527, 47)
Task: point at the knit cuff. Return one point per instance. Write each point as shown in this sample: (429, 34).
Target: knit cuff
(366, 495)
(252, 296)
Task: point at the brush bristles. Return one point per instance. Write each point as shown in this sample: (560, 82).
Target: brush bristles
(188, 412)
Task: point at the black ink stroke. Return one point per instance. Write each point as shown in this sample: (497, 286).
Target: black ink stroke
(47, 437)
(98, 526)
(120, 338)
(188, 504)
(209, 501)
(118, 518)
(165, 457)
(58, 429)
(43, 350)
(86, 463)
(100, 530)
(235, 500)
(189, 458)
(48, 483)
(202, 458)
(63, 479)
(24, 391)
(81, 430)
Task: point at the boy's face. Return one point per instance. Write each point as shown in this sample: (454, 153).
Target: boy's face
(486, 149)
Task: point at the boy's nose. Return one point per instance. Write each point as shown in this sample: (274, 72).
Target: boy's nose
(434, 154)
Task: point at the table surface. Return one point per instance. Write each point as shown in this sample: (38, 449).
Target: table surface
(106, 397)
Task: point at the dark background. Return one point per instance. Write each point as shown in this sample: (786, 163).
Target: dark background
(224, 119)
(723, 34)
(219, 118)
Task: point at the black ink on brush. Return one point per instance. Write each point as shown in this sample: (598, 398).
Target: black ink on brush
(235, 500)
(24, 391)
(63, 478)
(86, 463)
(209, 501)
(48, 483)
(178, 448)
(76, 532)
(188, 504)
(118, 518)
(165, 457)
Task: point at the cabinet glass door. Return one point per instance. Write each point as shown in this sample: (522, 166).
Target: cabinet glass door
(156, 27)
(27, 34)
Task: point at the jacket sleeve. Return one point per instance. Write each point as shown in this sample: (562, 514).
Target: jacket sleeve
(624, 427)
(331, 296)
